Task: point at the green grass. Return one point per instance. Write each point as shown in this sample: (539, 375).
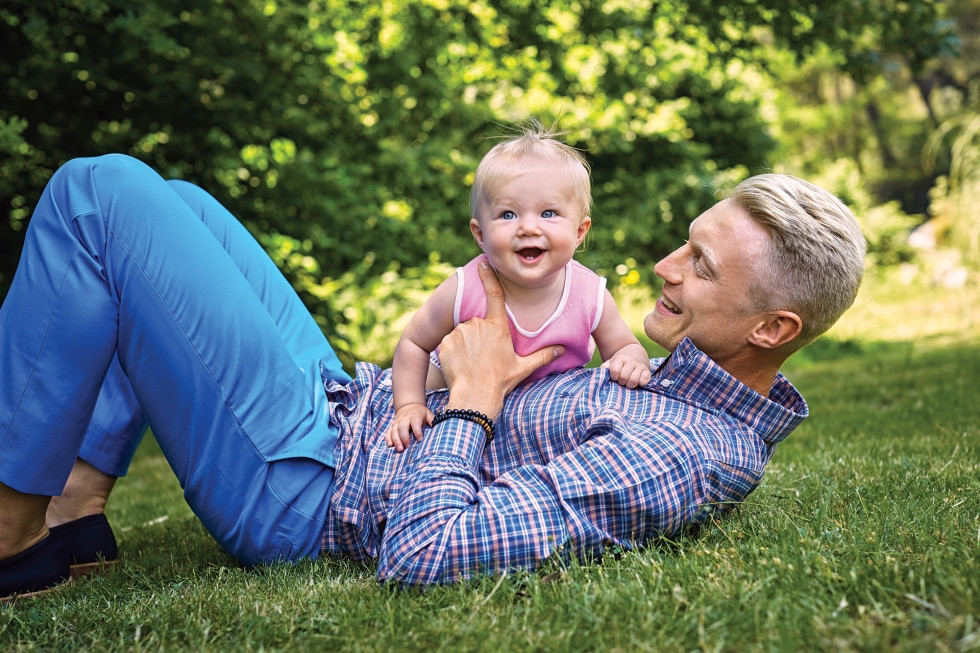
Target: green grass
(864, 536)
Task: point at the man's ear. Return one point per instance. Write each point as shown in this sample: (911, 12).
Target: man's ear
(476, 231)
(776, 329)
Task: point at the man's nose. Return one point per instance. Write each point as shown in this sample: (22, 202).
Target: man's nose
(668, 267)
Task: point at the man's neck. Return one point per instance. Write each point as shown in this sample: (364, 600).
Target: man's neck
(756, 374)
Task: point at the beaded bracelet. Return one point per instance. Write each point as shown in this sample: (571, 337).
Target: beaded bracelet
(468, 415)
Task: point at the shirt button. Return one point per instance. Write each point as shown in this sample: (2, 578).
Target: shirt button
(666, 383)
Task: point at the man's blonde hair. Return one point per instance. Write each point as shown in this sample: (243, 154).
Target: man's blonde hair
(513, 156)
(814, 262)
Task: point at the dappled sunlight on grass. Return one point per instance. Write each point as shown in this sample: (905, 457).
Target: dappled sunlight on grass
(897, 313)
(894, 306)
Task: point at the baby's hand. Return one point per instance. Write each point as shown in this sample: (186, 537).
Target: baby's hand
(627, 370)
(408, 420)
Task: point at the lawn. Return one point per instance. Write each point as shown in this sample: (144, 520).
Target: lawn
(864, 536)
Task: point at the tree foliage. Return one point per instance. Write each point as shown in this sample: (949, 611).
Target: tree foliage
(345, 133)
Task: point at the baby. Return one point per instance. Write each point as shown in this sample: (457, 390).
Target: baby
(530, 211)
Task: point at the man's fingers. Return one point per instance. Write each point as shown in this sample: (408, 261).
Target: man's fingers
(527, 364)
(496, 310)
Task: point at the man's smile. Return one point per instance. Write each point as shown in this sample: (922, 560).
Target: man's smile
(670, 306)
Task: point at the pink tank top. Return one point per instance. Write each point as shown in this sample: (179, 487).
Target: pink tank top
(575, 318)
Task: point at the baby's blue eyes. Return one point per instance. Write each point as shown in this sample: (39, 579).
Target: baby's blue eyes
(510, 215)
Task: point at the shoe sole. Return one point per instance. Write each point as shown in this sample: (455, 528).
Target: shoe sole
(77, 571)
(33, 595)
(87, 569)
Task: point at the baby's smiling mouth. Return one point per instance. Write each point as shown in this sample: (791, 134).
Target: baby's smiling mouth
(530, 252)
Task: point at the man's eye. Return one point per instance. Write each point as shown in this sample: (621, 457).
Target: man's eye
(548, 213)
(698, 270)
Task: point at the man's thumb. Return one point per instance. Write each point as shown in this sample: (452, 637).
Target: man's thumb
(541, 358)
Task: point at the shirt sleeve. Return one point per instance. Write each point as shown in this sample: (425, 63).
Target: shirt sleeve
(616, 489)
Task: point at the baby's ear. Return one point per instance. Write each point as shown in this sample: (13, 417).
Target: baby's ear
(583, 228)
(476, 231)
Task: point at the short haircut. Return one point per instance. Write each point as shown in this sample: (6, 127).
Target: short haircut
(814, 261)
(512, 156)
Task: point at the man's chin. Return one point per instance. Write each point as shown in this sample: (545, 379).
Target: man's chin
(667, 343)
(657, 334)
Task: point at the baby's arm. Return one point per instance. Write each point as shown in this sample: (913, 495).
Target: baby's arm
(423, 334)
(623, 355)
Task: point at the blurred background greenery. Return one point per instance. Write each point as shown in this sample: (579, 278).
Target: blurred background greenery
(345, 133)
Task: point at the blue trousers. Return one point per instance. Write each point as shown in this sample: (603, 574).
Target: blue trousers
(141, 301)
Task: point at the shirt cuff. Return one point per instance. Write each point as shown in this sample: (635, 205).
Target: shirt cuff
(458, 438)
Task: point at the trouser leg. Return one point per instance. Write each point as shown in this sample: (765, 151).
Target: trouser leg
(299, 332)
(121, 266)
(118, 424)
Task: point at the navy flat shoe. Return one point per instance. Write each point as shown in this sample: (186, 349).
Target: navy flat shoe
(90, 542)
(34, 570)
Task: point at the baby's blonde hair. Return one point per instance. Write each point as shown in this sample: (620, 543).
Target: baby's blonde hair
(534, 143)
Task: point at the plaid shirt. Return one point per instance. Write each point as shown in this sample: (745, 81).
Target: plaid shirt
(579, 463)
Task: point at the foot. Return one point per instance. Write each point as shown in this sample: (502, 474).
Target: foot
(90, 543)
(86, 493)
(34, 571)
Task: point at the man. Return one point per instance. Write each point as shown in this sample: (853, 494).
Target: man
(137, 300)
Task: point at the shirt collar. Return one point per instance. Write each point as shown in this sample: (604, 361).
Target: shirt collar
(688, 374)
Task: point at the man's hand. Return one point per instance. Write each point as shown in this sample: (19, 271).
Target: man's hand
(478, 358)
